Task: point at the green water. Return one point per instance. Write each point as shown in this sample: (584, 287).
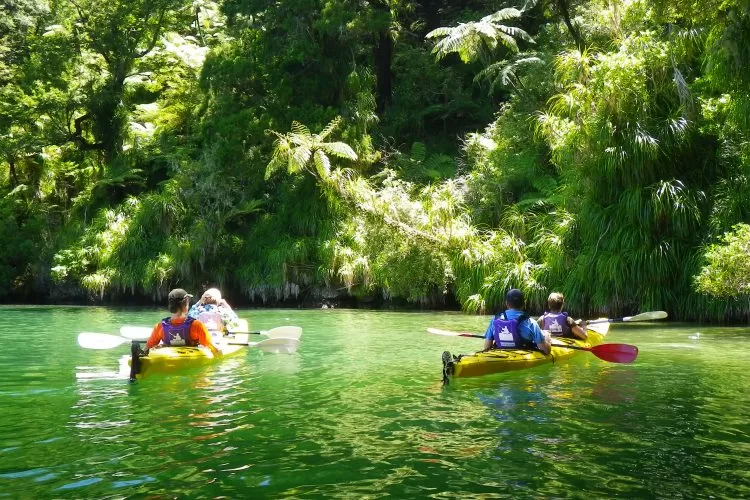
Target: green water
(359, 411)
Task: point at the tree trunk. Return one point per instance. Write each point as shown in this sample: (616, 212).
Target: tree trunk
(563, 8)
(383, 56)
(13, 176)
(110, 117)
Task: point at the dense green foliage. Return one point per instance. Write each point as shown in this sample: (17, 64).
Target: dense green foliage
(418, 150)
(728, 269)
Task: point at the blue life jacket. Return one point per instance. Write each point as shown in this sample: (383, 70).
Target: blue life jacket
(557, 324)
(177, 335)
(505, 332)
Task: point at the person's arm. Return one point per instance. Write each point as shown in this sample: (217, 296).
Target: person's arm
(540, 337)
(156, 335)
(540, 321)
(578, 330)
(489, 336)
(198, 332)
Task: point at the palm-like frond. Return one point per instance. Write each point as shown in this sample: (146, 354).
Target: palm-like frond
(302, 150)
(479, 38)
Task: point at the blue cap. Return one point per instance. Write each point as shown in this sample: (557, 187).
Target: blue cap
(514, 298)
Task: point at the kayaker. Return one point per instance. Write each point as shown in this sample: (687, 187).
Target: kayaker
(211, 302)
(179, 329)
(513, 329)
(558, 323)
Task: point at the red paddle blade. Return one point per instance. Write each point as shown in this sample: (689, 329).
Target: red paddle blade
(616, 353)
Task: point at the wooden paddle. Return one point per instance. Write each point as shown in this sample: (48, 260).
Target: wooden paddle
(614, 353)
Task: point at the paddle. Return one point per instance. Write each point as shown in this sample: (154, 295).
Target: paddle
(91, 340)
(615, 353)
(285, 332)
(647, 316)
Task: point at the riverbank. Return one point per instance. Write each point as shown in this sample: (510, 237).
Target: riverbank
(737, 311)
(313, 298)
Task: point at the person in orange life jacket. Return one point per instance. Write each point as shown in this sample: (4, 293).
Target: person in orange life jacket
(513, 329)
(178, 329)
(558, 323)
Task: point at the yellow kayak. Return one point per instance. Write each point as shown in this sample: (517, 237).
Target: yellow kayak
(170, 359)
(506, 360)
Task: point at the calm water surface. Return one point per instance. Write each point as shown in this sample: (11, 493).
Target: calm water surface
(359, 410)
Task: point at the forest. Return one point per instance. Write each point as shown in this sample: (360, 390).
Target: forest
(426, 154)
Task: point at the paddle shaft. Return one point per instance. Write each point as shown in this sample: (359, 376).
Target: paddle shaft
(608, 320)
(580, 348)
(646, 316)
(576, 347)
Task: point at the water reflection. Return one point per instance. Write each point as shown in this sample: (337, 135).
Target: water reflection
(359, 411)
(616, 385)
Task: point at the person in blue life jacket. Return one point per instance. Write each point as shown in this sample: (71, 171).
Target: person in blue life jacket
(558, 323)
(513, 329)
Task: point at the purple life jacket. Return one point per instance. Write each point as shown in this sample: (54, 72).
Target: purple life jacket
(557, 324)
(505, 332)
(177, 335)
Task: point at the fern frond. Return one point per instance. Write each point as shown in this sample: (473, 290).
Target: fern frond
(322, 164)
(503, 15)
(509, 41)
(437, 32)
(300, 129)
(298, 159)
(515, 32)
(329, 129)
(339, 149)
(418, 151)
(486, 31)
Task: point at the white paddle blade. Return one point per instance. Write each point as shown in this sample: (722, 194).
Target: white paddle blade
(446, 333)
(600, 327)
(647, 316)
(283, 332)
(91, 340)
(277, 345)
(136, 332)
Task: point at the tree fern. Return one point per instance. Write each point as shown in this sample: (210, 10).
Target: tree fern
(479, 39)
(300, 150)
